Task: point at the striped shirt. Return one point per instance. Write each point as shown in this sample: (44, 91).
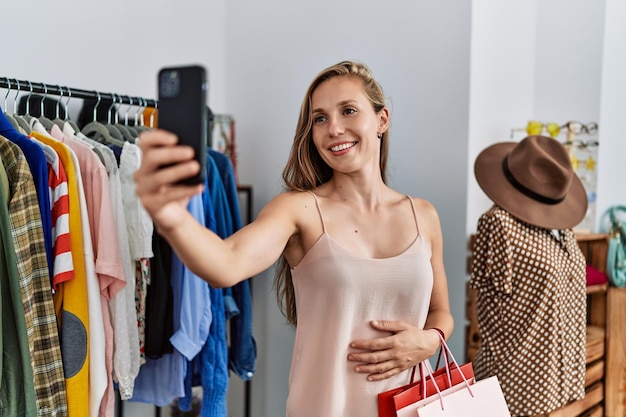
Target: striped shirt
(63, 267)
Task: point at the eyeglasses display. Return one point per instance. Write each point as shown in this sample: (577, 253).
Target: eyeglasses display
(534, 128)
(553, 129)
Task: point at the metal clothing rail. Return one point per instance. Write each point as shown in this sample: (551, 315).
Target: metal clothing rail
(69, 92)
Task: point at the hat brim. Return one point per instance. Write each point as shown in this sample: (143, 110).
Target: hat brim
(491, 179)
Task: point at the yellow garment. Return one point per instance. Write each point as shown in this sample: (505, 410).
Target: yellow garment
(151, 117)
(70, 301)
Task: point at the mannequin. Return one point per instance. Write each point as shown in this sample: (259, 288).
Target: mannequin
(529, 273)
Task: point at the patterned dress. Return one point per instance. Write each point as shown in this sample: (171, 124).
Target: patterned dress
(531, 312)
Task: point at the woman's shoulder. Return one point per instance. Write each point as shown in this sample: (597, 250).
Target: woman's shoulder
(293, 197)
(290, 201)
(422, 204)
(425, 210)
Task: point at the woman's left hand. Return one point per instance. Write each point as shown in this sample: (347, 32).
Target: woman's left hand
(385, 357)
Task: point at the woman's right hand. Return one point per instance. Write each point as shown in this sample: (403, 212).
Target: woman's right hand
(163, 164)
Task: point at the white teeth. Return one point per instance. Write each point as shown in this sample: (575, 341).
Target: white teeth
(342, 146)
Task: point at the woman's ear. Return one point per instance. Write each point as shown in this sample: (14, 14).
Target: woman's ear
(383, 120)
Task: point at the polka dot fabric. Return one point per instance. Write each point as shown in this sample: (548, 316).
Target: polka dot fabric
(531, 311)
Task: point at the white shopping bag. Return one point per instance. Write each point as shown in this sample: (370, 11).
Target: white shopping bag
(482, 398)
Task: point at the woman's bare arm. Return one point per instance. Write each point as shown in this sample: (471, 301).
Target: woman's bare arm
(222, 263)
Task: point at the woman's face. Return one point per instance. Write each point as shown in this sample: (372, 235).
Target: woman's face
(345, 125)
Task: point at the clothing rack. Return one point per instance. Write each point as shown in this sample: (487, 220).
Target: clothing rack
(70, 92)
(30, 87)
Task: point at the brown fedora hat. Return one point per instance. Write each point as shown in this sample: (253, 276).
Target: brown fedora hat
(534, 181)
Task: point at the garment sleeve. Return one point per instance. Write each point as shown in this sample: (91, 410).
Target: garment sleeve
(195, 309)
(492, 256)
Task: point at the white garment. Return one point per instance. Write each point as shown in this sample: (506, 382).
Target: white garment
(139, 223)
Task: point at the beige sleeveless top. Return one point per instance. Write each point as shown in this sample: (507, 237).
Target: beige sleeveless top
(337, 294)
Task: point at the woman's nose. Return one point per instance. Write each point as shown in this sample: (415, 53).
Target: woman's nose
(335, 127)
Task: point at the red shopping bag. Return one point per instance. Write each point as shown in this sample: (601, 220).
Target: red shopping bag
(389, 402)
(415, 393)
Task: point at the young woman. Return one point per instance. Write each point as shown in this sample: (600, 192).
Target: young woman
(361, 271)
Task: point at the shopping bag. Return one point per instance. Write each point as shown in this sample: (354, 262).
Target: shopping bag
(391, 401)
(386, 407)
(411, 409)
(456, 377)
(415, 393)
(482, 398)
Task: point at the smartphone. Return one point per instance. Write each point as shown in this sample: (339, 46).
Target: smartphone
(182, 110)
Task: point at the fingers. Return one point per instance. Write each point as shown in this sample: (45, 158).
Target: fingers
(163, 162)
(380, 361)
(379, 371)
(384, 357)
(159, 148)
(391, 326)
(163, 165)
(370, 364)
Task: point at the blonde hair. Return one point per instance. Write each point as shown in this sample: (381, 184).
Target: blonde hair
(306, 170)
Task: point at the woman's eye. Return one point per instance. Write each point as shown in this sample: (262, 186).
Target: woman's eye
(319, 119)
(349, 110)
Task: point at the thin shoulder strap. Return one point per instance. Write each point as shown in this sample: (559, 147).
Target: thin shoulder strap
(414, 214)
(319, 210)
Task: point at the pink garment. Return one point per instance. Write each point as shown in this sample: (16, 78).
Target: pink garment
(106, 247)
(338, 293)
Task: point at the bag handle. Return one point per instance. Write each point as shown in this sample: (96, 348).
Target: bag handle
(444, 345)
(446, 360)
(448, 352)
(616, 223)
(424, 381)
(441, 351)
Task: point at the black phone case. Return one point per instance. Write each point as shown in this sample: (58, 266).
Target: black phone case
(182, 110)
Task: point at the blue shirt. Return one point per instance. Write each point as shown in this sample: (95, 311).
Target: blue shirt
(238, 299)
(38, 166)
(160, 381)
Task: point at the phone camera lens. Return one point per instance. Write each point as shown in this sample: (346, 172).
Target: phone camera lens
(170, 84)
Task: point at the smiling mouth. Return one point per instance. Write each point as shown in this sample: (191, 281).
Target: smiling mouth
(343, 147)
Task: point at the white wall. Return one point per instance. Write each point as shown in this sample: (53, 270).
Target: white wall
(112, 46)
(261, 56)
(501, 84)
(531, 60)
(611, 188)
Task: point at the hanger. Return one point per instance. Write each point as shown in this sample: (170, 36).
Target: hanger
(111, 126)
(154, 110)
(98, 131)
(47, 123)
(132, 132)
(67, 113)
(10, 118)
(57, 120)
(123, 129)
(19, 119)
(27, 116)
(139, 120)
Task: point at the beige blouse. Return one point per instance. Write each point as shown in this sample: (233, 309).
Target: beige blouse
(338, 293)
(531, 312)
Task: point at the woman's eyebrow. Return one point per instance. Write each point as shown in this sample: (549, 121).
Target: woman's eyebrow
(341, 103)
